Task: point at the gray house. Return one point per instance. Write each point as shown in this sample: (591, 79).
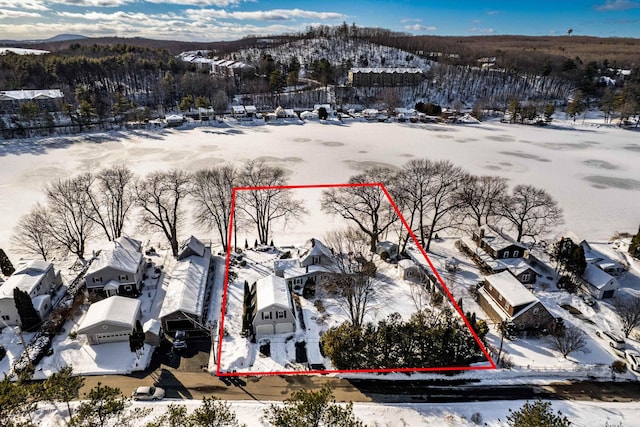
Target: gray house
(111, 320)
(599, 283)
(117, 271)
(274, 312)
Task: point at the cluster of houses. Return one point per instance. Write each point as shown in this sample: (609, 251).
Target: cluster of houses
(116, 279)
(215, 65)
(385, 76)
(46, 99)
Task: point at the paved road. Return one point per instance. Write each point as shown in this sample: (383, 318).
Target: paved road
(184, 376)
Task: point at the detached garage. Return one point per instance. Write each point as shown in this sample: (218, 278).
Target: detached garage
(274, 311)
(111, 320)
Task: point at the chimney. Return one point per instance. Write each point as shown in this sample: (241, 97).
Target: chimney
(480, 236)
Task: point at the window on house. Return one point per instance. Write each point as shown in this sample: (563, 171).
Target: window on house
(499, 297)
(281, 314)
(266, 315)
(316, 260)
(124, 277)
(505, 254)
(516, 254)
(526, 277)
(4, 317)
(536, 310)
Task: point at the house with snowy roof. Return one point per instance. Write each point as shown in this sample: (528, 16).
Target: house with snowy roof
(313, 265)
(39, 280)
(117, 271)
(273, 307)
(600, 260)
(384, 76)
(409, 270)
(519, 267)
(498, 244)
(185, 305)
(600, 284)
(505, 299)
(112, 319)
(47, 99)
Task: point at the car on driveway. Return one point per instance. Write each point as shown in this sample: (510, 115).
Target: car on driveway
(148, 393)
(615, 340)
(633, 357)
(180, 341)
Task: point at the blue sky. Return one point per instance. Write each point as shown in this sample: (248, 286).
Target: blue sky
(208, 20)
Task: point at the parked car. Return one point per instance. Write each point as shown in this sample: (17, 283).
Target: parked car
(148, 393)
(633, 357)
(180, 340)
(615, 340)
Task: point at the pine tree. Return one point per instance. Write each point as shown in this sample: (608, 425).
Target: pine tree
(5, 264)
(312, 408)
(62, 386)
(537, 414)
(29, 317)
(634, 247)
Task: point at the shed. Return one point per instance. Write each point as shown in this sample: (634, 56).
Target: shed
(273, 307)
(408, 270)
(152, 329)
(111, 320)
(599, 283)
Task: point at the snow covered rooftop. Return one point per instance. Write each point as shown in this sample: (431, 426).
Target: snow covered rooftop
(597, 277)
(499, 240)
(315, 247)
(123, 257)
(192, 246)
(152, 325)
(186, 289)
(272, 290)
(26, 95)
(514, 265)
(22, 51)
(379, 70)
(115, 310)
(510, 289)
(25, 277)
(406, 263)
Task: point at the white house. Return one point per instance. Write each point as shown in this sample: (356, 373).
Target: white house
(36, 278)
(186, 300)
(599, 283)
(312, 266)
(111, 320)
(274, 312)
(117, 271)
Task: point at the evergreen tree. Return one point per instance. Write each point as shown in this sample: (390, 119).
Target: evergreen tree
(308, 408)
(29, 317)
(634, 247)
(62, 386)
(537, 414)
(5, 264)
(213, 413)
(102, 406)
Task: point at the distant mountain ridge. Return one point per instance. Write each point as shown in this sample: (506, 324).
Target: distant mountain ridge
(58, 38)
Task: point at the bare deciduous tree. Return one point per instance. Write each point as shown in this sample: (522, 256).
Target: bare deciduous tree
(212, 192)
(568, 339)
(629, 311)
(69, 222)
(364, 204)
(265, 201)
(32, 235)
(480, 195)
(159, 196)
(353, 283)
(531, 211)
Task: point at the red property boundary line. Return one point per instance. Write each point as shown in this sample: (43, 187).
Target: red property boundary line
(219, 373)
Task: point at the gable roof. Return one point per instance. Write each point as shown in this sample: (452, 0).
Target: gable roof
(514, 265)
(191, 246)
(598, 278)
(314, 247)
(128, 243)
(25, 278)
(122, 257)
(511, 289)
(115, 310)
(499, 240)
(186, 289)
(272, 290)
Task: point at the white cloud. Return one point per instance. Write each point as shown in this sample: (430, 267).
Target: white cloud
(18, 4)
(10, 13)
(418, 27)
(263, 15)
(218, 3)
(482, 30)
(611, 5)
(407, 20)
(92, 3)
